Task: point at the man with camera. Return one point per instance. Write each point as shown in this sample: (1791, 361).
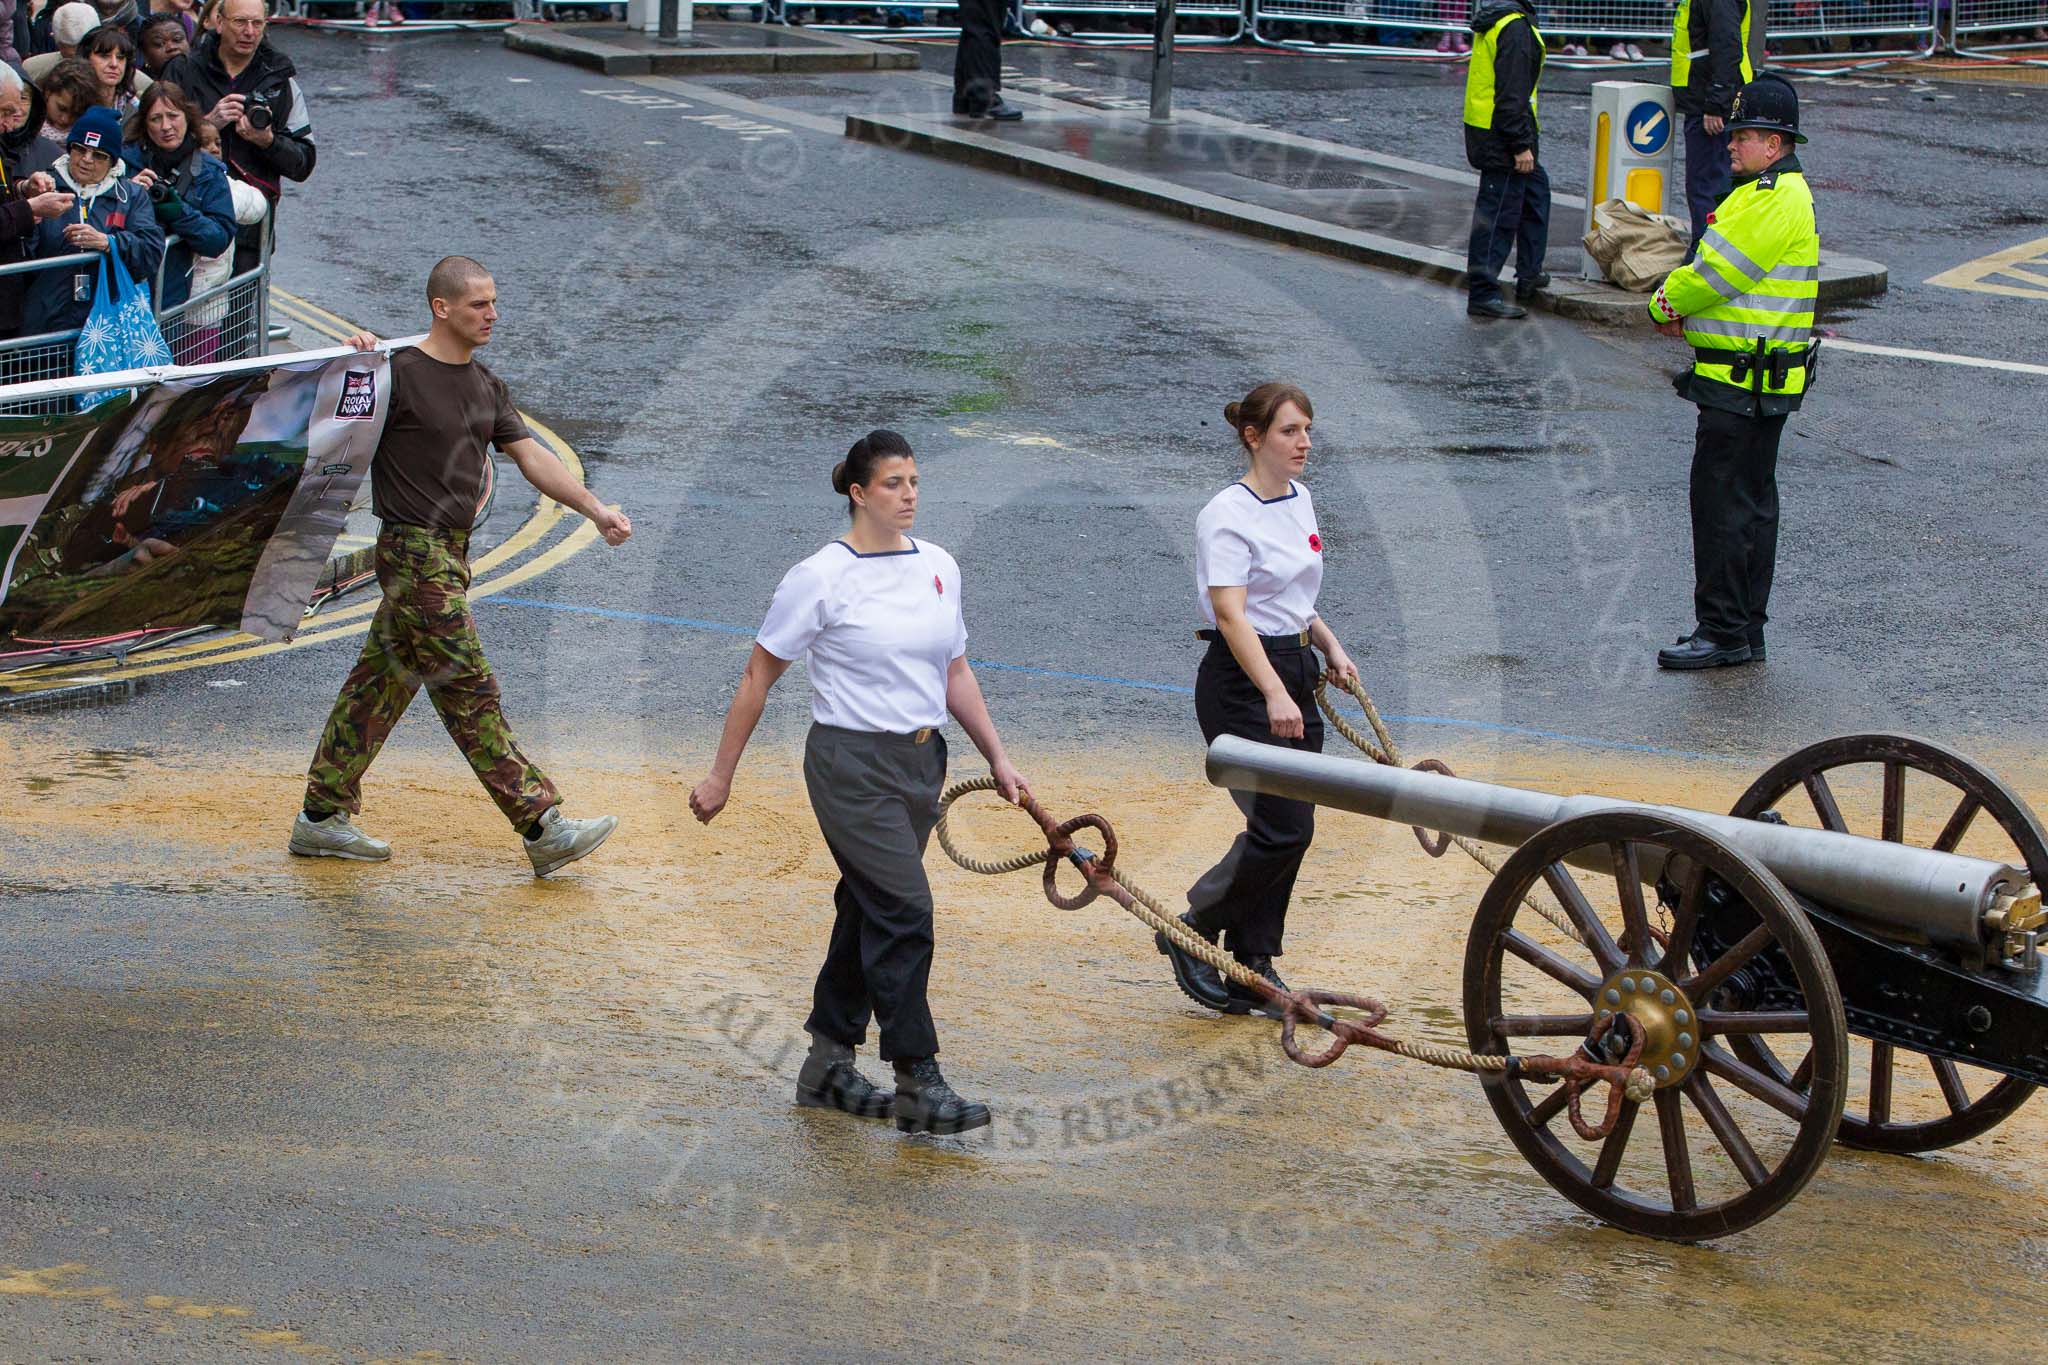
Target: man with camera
(250, 91)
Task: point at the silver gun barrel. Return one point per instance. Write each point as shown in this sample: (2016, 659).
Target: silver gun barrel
(1938, 898)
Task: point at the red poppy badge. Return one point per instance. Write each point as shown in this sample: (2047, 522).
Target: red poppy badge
(1315, 542)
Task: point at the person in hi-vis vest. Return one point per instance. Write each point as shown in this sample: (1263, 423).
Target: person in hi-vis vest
(1745, 306)
(1709, 63)
(1512, 211)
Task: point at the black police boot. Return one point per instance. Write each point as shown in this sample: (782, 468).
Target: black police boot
(1756, 646)
(1697, 651)
(1525, 290)
(1197, 980)
(1243, 999)
(829, 1080)
(1494, 308)
(926, 1104)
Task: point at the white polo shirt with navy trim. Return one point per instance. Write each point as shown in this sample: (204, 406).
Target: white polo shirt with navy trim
(1270, 547)
(878, 631)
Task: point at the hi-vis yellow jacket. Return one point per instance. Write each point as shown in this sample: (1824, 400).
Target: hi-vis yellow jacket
(1748, 296)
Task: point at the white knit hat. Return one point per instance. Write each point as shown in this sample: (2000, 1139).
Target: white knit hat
(72, 22)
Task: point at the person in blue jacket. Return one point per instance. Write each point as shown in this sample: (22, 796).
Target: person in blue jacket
(108, 214)
(187, 188)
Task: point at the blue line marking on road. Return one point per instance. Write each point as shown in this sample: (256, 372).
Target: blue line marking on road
(1451, 722)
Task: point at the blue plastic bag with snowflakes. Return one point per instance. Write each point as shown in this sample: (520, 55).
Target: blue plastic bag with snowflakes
(120, 333)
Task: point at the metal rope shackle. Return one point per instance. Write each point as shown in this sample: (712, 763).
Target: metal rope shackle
(1577, 1071)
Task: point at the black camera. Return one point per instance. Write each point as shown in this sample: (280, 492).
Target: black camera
(160, 193)
(259, 115)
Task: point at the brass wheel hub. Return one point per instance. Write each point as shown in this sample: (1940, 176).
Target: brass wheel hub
(1661, 1014)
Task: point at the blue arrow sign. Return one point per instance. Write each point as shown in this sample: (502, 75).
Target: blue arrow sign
(1648, 128)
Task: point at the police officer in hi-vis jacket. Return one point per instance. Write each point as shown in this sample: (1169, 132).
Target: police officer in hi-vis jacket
(1745, 307)
(1512, 211)
(1709, 63)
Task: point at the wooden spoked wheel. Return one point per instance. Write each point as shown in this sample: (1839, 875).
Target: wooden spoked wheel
(1751, 1142)
(1926, 794)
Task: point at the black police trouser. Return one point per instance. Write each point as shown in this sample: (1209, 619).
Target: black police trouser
(1708, 176)
(978, 62)
(1512, 212)
(1734, 522)
(1245, 895)
(876, 797)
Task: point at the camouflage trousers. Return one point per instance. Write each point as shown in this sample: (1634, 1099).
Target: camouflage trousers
(423, 634)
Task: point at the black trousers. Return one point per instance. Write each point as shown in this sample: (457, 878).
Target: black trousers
(978, 64)
(1734, 522)
(1708, 176)
(1245, 895)
(1511, 213)
(876, 797)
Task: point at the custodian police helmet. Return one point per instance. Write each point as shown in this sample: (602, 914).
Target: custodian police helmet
(1769, 102)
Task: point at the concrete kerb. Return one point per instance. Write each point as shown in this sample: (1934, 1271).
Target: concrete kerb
(1842, 278)
(796, 50)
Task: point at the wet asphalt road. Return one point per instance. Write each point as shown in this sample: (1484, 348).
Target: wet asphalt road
(438, 1108)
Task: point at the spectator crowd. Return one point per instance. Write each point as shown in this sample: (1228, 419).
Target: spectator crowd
(160, 130)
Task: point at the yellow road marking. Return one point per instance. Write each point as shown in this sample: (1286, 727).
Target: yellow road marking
(546, 516)
(2002, 272)
(349, 329)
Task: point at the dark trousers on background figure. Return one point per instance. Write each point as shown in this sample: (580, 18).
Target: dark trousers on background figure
(1707, 174)
(1734, 523)
(978, 62)
(1512, 213)
(1245, 895)
(876, 797)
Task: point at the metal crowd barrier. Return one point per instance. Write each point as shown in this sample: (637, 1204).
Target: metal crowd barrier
(1997, 25)
(230, 321)
(1230, 13)
(1876, 28)
(1382, 25)
(916, 21)
(360, 15)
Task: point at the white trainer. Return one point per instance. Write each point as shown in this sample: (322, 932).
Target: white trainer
(335, 837)
(562, 840)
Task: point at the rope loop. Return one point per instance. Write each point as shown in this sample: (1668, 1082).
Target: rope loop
(1305, 1006)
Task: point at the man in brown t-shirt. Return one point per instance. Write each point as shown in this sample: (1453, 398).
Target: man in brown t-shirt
(427, 481)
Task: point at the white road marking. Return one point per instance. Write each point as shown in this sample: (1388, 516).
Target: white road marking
(1937, 357)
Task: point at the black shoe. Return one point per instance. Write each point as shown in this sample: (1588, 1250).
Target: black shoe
(926, 1104)
(1002, 111)
(829, 1080)
(1756, 649)
(1526, 290)
(1197, 980)
(1241, 999)
(1697, 651)
(1494, 308)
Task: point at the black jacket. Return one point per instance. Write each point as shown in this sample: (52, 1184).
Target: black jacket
(271, 79)
(1715, 27)
(1517, 66)
(17, 224)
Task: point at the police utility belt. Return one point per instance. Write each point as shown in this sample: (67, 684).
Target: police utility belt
(1761, 369)
(1298, 640)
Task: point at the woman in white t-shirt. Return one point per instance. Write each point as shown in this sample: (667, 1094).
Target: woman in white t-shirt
(877, 615)
(1258, 567)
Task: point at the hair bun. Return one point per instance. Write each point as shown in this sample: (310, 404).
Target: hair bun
(840, 483)
(1232, 411)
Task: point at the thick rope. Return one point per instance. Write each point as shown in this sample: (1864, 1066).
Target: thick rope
(1384, 752)
(1104, 878)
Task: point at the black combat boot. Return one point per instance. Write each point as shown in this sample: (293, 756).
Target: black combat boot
(1198, 981)
(828, 1079)
(1244, 1000)
(926, 1104)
